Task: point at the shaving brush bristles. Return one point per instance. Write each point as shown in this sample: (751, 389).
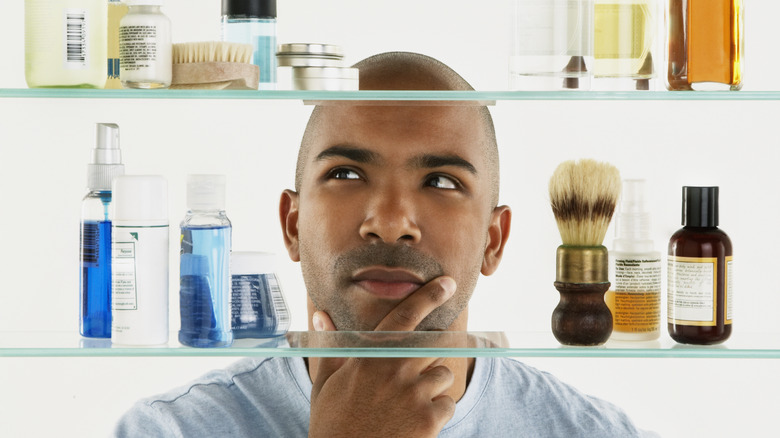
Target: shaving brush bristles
(583, 196)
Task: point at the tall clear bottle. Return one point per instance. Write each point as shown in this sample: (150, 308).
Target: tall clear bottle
(253, 22)
(705, 44)
(95, 239)
(552, 45)
(204, 281)
(634, 296)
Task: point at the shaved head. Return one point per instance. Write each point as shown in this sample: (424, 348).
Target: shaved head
(408, 71)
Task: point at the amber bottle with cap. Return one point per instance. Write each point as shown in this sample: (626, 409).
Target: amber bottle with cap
(700, 272)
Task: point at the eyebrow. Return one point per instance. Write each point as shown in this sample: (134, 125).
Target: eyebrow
(428, 161)
(356, 154)
(424, 161)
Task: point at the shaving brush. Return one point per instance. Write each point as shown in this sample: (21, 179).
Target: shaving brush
(583, 196)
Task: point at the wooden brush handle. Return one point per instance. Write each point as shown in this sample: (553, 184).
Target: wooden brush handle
(215, 75)
(582, 316)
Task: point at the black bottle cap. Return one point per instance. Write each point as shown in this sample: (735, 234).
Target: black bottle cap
(249, 8)
(700, 206)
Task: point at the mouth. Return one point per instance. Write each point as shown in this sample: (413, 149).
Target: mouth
(387, 283)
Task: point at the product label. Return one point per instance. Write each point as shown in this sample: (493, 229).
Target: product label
(634, 297)
(137, 47)
(257, 303)
(692, 290)
(124, 294)
(729, 288)
(75, 42)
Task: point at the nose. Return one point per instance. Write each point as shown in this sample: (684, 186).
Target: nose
(390, 217)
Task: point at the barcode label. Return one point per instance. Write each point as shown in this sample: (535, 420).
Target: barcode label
(76, 49)
(90, 245)
(279, 305)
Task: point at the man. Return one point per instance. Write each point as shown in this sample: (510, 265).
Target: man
(393, 218)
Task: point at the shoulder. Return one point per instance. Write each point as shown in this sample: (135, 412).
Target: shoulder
(222, 402)
(557, 409)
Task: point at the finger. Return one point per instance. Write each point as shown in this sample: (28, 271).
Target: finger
(436, 381)
(322, 322)
(446, 407)
(324, 366)
(414, 308)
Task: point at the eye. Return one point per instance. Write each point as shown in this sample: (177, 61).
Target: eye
(442, 182)
(343, 173)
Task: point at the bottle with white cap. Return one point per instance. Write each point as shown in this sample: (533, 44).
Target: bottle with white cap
(95, 240)
(634, 297)
(145, 47)
(204, 269)
(139, 263)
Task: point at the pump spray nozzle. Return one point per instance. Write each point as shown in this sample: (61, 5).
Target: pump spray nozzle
(106, 158)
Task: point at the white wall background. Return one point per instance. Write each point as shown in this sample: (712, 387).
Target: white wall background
(45, 144)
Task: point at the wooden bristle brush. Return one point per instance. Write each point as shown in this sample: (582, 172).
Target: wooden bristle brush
(583, 196)
(214, 65)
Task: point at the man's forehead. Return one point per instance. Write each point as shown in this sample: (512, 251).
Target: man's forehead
(412, 129)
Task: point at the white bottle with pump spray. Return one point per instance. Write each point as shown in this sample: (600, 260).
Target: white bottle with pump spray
(95, 241)
(634, 297)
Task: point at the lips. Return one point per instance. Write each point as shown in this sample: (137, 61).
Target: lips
(388, 283)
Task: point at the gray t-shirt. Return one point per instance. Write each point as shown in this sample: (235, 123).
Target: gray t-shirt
(270, 397)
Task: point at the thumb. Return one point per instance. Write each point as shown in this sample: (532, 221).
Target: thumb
(322, 322)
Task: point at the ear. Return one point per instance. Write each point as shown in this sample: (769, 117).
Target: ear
(288, 216)
(498, 233)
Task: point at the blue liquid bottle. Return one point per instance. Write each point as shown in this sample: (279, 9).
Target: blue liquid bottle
(95, 239)
(204, 280)
(253, 22)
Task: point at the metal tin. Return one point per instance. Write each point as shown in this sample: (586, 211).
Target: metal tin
(325, 78)
(309, 55)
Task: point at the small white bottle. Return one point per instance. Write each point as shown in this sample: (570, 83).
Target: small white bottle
(145, 48)
(634, 296)
(139, 262)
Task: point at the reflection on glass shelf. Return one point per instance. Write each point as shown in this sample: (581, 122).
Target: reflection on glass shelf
(317, 97)
(390, 344)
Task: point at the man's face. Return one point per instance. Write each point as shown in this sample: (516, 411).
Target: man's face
(390, 198)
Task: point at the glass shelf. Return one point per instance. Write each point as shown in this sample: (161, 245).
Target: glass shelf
(390, 344)
(317, 97)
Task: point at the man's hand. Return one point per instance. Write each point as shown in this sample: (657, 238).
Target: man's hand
(382, 397)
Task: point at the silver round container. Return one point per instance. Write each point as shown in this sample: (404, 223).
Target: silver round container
(325, 78)
(309, 55)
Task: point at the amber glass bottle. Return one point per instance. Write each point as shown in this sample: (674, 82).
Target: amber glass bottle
(705, 44)
(700, 272)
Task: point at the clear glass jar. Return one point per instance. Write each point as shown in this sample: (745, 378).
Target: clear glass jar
(145, 48)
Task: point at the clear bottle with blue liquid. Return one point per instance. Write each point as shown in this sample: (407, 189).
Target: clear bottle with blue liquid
(95, 238)
(253, 22)
(204, 280)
